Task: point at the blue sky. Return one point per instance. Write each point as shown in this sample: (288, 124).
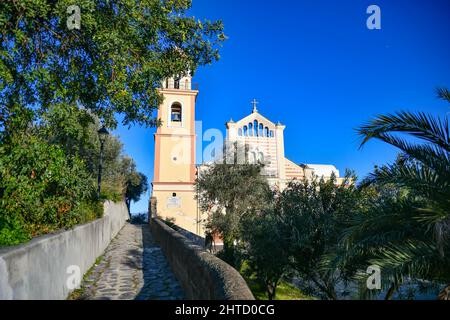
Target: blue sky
(315, 67)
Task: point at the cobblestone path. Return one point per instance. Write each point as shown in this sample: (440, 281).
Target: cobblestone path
(133, 267)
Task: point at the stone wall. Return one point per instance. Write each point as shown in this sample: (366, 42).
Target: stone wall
(202, 275)
(196, 239)
(39, 269)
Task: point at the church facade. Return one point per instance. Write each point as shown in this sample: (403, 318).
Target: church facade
(175, 170)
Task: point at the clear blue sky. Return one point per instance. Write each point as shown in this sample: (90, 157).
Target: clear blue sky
(315, 66)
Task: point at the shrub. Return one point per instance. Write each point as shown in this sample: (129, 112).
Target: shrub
(41, 189)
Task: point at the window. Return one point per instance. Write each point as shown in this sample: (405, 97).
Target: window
(250, 130)
(267, 132)
(175, 112)
(240, 132)
(176, 83)
(261, 130)
(255, 125)
(245, 131)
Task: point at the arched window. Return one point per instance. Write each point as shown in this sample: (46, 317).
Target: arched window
(271, 133)
(250, 130)
(261, 130)
(240, 132)
(175, 112)
(267, 132)
(255, 126)
(245, 131)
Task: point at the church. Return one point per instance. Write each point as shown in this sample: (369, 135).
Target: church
(175, 168)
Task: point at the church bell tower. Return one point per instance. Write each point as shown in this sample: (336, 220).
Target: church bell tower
(173, 195)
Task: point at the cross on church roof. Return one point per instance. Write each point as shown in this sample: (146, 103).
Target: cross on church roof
(254, 102)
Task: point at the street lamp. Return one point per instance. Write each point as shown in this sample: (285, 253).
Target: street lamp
(102, 134)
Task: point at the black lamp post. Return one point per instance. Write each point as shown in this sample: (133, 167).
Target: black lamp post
(102, 134)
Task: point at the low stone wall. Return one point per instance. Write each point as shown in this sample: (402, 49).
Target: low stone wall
(39, 269)
(196, 239)
(202, 275)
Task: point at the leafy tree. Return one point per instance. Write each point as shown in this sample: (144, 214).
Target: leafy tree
(408, 236)
(65, 141)
(74, 129)
(112, 64)
(316, 212)
(227, 192)
(266, 246)
(41, 189)
(136, 183)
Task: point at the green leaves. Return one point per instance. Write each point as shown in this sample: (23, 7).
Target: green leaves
(420, 125)
(113, 64)
(315, 212)
(40, 187)
(136, 183)
(48, 169)
(407, 235)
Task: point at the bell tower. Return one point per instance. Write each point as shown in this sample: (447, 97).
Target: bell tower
(173, 189)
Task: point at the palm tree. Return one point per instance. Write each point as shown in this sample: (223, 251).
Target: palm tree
(407, 236)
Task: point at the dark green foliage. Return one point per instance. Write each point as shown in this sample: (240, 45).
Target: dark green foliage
(277, 233)
(228, 193)
(56, 85)
(315, 212)
(49, 170)
(136, 183)
(266, 248)
(408, 236)
(41, 189)
(329, 232)
(113, 64)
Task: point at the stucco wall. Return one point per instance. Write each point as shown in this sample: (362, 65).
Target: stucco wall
(38, 269)
(202, 275)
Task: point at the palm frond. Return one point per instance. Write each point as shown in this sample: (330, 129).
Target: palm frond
(432, 156)
(412, 258)
(443, 93)
(414, 176)
(420, 125)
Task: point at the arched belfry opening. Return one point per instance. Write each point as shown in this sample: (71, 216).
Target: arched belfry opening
(176, 112)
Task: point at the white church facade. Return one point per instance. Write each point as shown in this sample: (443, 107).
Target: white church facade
(175, 168)
(265, 144)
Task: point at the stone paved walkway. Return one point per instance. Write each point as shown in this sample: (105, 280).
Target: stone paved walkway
(133, 267)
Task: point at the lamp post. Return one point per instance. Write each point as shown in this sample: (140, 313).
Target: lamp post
(102, 134)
